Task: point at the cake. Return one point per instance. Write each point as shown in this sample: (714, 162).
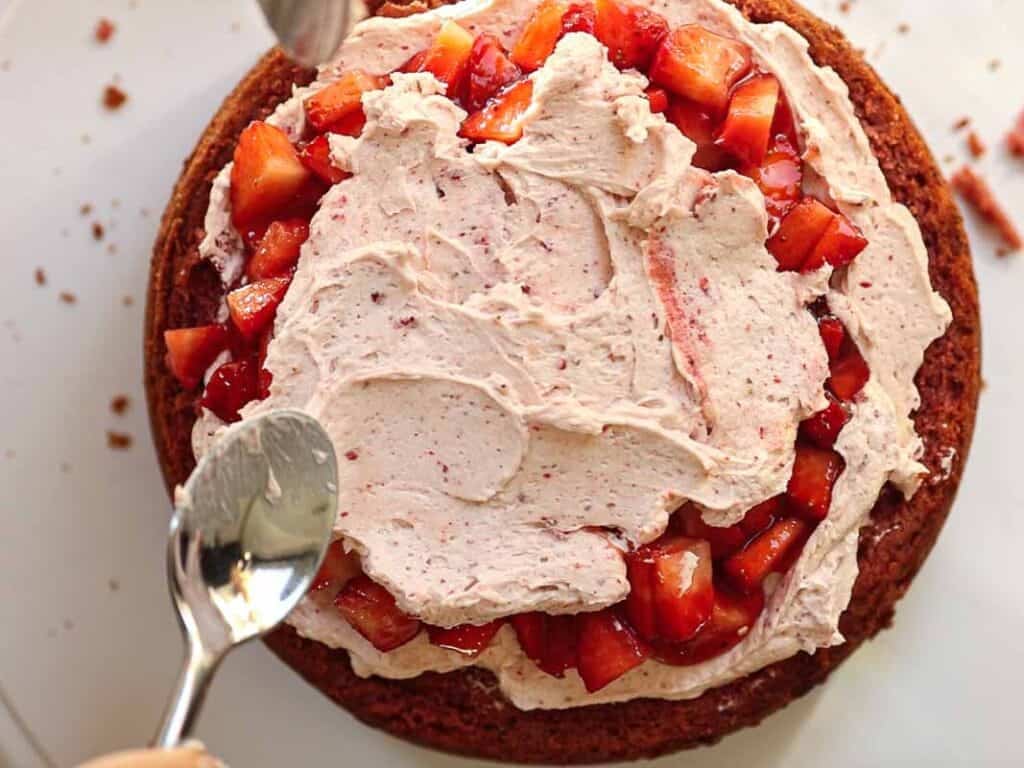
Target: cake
(647, 337)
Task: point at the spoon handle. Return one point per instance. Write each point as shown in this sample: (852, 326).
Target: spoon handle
(187, 699)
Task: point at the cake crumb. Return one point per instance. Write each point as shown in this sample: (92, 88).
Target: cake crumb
(85, 209)
(65, 467)
(97, 231)
(104, 30)
(112, 248)
(961, 123)
(127, 301)
(975, 144)
(113, 97)
(845, 6)
(113, 585)
(120, 404)
(67, 297)
(977, 193)
(86, 138)
(994, 65)
(1015, 138)
(40, 276)
(5, 65)
(118, 441)
(903, 28)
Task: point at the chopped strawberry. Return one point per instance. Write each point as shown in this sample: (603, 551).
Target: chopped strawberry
(266, 176)
(490, 70)
(732, 616)
(252, 307)
(700, 126)
(723, 540)
(631, 33)
(799, 232)
(748, 124)
(340, 99)
(700, 65)
(763, 555)
(579, 17)
(278, 251)
(372, 612)
(316, 156)
(779, 177)
(838, 246)
(190, 351)
(849, 373)
(658, 99)
(230, 387)
(1015, 138)
(540, 35)
(501, 119)
(606, 648)
(466, 638)
(760, 517)
(823, 428)
(550, 641)
(447, 58)
(814, 473)
(337, 568)
(832, 335)
(415, 63)
(670, 595)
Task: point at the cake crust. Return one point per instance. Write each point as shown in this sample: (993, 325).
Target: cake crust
(463, 711)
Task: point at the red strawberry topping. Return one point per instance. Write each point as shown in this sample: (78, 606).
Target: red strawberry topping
(501, 119)
(607, 648)
(278, 251)
(372, 612)
(490, 70)
(469, 639)
(747, 569)
(700, 65)
(190, 351)
(631, 33)
(814, 473)
(252, 307)
(748, 125)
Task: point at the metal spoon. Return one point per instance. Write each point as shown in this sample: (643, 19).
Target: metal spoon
(249, 532)
(310, 31)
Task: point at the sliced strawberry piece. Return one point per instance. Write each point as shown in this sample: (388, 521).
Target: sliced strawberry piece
(631, 33)
(699, 65)
(466, 638)
(658, 99)
(372, 612)
(447, 58)
(267, 174)
(252, 307)
(190, 351)
(799, 232)
(810, 487)
(700, 126)
(231, 386)
(550, 641)
(832, 335)
(606, 648)
(540, 35)
(839, 245)
(337, 568)
(760, 517)
(779, 177)
(579, 17)
(823, 428)
(340, 99)
(278, 251)
(748, 125)
(723, 540)
(667, 599)
(415, 63)
(502, 119)
(490, 70)
(732, 616)
(849, 374)
(747, 569)
(316, 156)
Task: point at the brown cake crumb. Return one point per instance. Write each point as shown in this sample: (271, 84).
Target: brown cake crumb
(105, 29)
(962, 123)
(127, 301)
(67, 297)
(120, 404)
(5, 65)
(975, 144)
(86, 209)
(97, 231)
(903, 28)
(1015, 138)
(114, 97)
(40, 276)
(845, 6)
(994, 65)
(118, 441)
(977, 193)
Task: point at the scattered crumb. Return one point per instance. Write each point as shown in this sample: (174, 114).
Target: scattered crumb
(948, 159)
(86, 138)
(105, 29)
(5, 65)
(975, 144)
(351, 455)
(236, 26)
(118, 441)
(40, 276)
(58, 171)
(114, 97)
(65, 232)
(994, 65)
(962, 123)
(86, 209)
(97, 231)
(67, 297)
(120, 404)
(115, 203)
(113, 585)
(68, 624)
(65, 467)
(977, 193)
(112, 248)
(9, 453)
(903, 28)
(845, 6)
(51, 632)
(1015, 138)
(127, 301)
(144, 213)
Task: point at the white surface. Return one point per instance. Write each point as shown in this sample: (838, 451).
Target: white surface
(87, 666)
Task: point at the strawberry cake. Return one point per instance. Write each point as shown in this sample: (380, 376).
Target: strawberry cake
(645, 332)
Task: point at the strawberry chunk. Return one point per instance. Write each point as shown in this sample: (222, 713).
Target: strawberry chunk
(779, 177)
(341, 99)
(337, 569)
(839, 245)
(700, 126)
(658, 99)
(447, 58)
(252, 307)
(579, 17)
(266, 176)
(670, 588)
(607, 649)
(631, 33)
(502, 118)
(468, 639)
(278, 251)
(550, 641)
(747, 569)
(190, 351)
(810, 487)
(700, 65)
(748, 125)
(760, 517)
(849, 373)
(231, 386)
(732, 616)
(723, 540)
(316, 156)
(490, 70)
(540, 35)
(372, 612)
(823, 428)
(799, 232)
(832, 335)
